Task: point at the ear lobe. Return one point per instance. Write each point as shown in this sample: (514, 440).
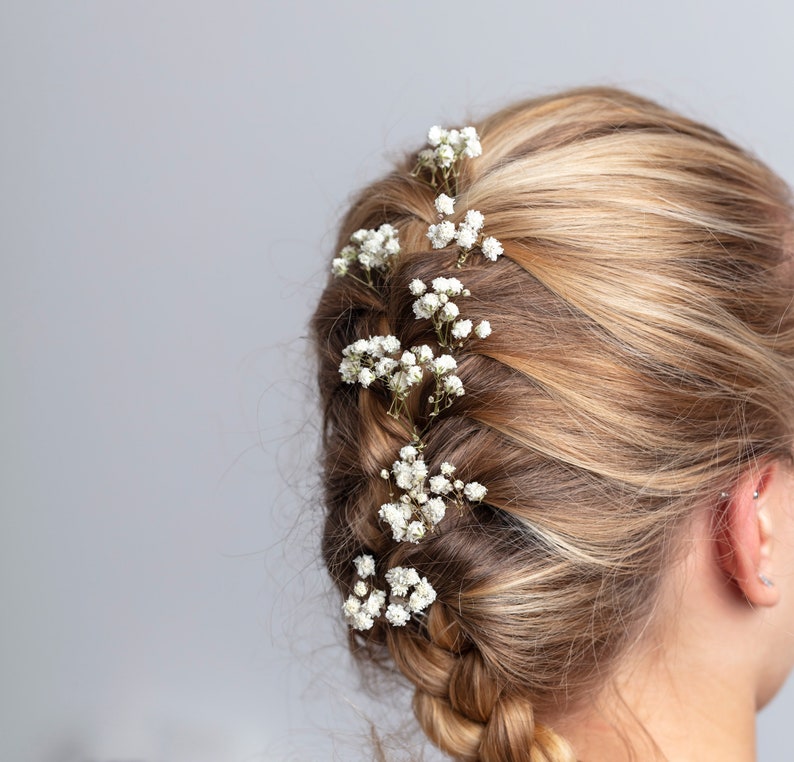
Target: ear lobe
(744, 535)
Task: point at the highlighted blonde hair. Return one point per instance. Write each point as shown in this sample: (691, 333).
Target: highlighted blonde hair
(641, 356)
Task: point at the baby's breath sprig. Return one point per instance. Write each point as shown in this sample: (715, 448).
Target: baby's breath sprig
(380, 358)
(447, 148)
(422, 502)
(438, 307)
(409, 595)
(371, 249)
(467, 234)
(367, 602)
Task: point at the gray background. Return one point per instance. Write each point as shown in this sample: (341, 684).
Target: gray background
(170, 174)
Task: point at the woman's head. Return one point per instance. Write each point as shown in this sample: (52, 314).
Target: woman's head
(641, 359)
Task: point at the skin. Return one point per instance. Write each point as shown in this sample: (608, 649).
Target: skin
(721, 645)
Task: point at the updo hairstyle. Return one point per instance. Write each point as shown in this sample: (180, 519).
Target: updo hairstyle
(641, 357)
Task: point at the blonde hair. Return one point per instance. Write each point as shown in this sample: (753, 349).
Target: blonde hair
(641, 356)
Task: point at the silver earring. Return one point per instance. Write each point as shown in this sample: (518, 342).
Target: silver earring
(765, 580)
(724, 495)
(755, 494)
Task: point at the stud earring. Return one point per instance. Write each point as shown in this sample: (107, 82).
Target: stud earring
(765, 580)
(755, 494)
(724, 495)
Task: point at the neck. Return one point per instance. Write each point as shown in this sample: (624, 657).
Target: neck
(687, 691)
(650, 715)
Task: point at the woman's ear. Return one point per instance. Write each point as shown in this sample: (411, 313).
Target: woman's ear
(744, 531)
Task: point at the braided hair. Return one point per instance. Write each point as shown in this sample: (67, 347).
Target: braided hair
(641, 354)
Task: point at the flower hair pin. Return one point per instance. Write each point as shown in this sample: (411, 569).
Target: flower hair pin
(409, 594)
(422, 502)
(442, 158)
(466, 234)
(418, 501)
(371, 249)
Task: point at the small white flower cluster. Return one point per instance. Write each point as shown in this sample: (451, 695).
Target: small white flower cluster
(447, 146)
(466, 234)
(414, 594)
(380, 358)
(410, 594)
(372, 249)
(436, 305)
(423, 502)
(366, 602)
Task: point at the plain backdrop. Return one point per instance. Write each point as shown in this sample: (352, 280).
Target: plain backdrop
(171, 174)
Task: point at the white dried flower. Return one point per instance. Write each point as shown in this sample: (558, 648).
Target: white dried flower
(408, 453)
(365, 565)
(373, 242)
(453, 386)
(475, 492)
(441, 234)
(440, 485)
(417, 287)
(390, 344)
(444, 155)
(385, 366)
(351, 606)
(422, 596)
(426, 306)
(407, 359)
(483, 329)
(471, 143)
(449, 311)
(415, 531)
(434, 509)
(443, 364)
(466, 237)
(445, 204)
(391, 246)
(384, 473)
(447, 469)
(461, 329)
(366, 377)
(393, 515)
(403, 380)
(435, 135)
(491, 248)
(360, 588)
(339, 266)
(474, 220)
(447, 286)
(423, 354)
(375, 603)
(362, 621)
(400, 578)
(397, 615)
(348, 369)
(427, 157)
(403, 474)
